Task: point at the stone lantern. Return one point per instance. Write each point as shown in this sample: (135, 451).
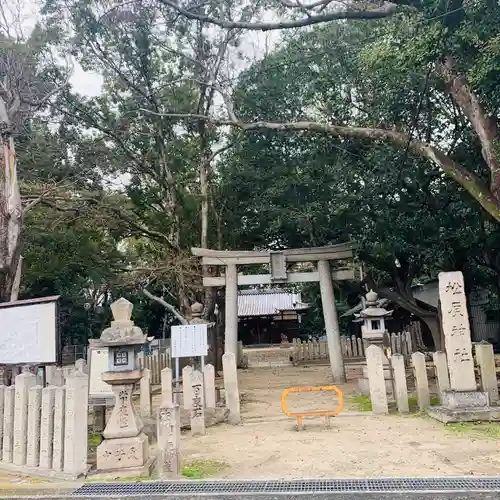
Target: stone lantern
(125, 447)
(373, 319)
(373, 331)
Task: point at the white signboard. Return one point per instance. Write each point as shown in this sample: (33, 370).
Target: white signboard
(29, 332)
(98, 364)
(189, 341)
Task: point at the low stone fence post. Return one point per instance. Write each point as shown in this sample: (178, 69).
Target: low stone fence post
(168, 463)
(197, 404)
(400, 386)
(421, 381)
(44, 430)
(376, 380)
(209, 385)
(487, 370)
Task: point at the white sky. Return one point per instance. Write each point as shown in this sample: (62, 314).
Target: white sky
(254, 45)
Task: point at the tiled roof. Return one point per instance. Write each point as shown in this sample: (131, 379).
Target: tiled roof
(268, 303)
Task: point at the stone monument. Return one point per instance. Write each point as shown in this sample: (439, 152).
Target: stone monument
(462, 402)
(373, 331)
(125, 449)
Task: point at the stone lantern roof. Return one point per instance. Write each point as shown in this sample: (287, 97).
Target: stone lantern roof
(122, 330)
(372, 309)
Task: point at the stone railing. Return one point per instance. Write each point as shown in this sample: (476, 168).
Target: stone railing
(352, 347)
(44, 430)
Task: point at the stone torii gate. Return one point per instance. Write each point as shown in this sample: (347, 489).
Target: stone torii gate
(277, 261)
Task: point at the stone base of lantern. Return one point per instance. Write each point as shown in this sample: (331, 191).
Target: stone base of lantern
(140, 472)
(465, 406)
(128, 455)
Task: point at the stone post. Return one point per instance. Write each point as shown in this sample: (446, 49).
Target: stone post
(166, 386)
(76, 424)
(145, 392)
(456, 330)
(169, 437)
(34, 416)
(8, 424)
(59, 430)
(331, 322)
(187, 386)
(442, 376)
(2, 404)
(209, 382)
(487, 370)
(47, 427)
(198, 404)
(24, 382)
(400, 387)
(231, 338)
(231, 387)
(421, 381)
(376, 380)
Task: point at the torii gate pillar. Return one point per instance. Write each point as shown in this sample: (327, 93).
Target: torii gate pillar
(231, 334)
(331, 322)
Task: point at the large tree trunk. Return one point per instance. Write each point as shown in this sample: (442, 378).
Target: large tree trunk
(433, 323)
(11, 216)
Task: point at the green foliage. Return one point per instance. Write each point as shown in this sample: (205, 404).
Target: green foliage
(305, 189)
(201, 469)
(483, 430)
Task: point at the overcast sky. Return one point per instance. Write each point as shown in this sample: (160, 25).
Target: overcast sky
(254, 45)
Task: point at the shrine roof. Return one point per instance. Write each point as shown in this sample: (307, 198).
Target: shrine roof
(268, 302)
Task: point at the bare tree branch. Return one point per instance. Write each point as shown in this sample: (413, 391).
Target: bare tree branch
(167, 306)
(386, 10)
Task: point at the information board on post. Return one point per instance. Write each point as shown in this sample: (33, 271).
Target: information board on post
(189, 341)
(30, 332)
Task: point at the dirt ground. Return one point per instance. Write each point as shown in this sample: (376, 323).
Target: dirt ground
(357, 444)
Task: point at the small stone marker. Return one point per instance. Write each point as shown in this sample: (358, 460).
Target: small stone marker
(47, 427)
(76, 419)
(34, 417)
(187, 386)
(456, 330)
(442, 375)
(169, 436)
(231, 388)
(145, 392)
(400, 387)
(58, 440)
(376, 380)
(24, 382)
(421, 381)
(197, 404)
(209, 381)
(8, 426)
(166, 386)
(487, 370)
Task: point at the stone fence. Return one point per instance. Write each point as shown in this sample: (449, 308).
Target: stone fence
(43, 431)
(392, 378)
(352, 347)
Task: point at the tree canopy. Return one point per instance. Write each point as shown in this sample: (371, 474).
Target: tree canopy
(375, 123)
